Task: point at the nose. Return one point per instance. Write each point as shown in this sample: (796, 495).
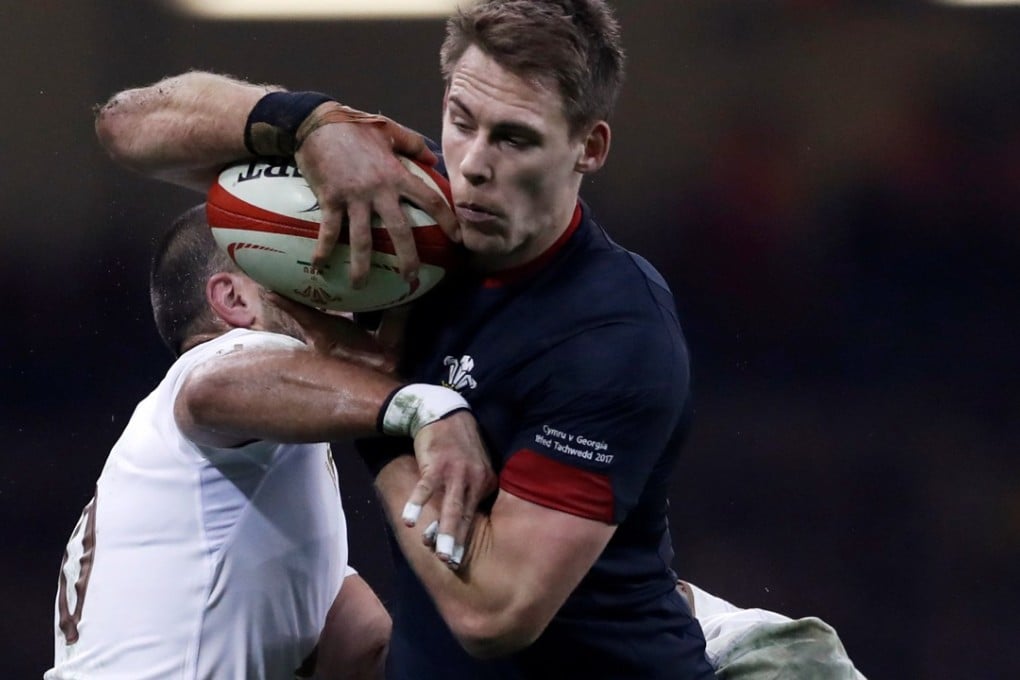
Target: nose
(476, 165)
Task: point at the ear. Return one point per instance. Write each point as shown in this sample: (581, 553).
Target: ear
(594, 149)
(231, 300)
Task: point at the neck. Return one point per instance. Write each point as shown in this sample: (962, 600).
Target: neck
(197, 339)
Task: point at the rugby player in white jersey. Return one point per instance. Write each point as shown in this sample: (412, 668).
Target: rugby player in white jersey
(216, 545)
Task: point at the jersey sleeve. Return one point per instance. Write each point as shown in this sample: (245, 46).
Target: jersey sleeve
(597, 427)
(237, 340)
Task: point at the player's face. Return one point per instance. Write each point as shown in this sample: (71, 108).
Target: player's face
(511, 160)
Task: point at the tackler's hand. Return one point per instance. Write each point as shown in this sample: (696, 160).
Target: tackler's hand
(350, 161)
(452, 462)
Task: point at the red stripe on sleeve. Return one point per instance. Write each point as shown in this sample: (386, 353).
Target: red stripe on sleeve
(552, 484)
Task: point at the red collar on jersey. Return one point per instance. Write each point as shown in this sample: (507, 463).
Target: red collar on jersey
(521, 272)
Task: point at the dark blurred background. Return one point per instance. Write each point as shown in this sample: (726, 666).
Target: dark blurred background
(831, 188)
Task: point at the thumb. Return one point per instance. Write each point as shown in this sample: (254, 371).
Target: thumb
(407, 142)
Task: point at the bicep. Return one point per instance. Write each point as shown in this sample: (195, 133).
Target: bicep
(546, 553)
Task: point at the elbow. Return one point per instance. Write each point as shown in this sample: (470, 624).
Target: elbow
(125, 124)
(488, 635)
(117, 125)
(113, 124)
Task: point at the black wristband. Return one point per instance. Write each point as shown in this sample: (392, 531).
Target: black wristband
(272, 124)
(376, 453)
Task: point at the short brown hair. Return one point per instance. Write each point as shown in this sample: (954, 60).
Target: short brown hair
(576, 43)
(185, 257)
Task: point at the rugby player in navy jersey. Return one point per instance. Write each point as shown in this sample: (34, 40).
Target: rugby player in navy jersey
(566, 346)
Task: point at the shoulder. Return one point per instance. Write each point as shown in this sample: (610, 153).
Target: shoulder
(236, 340)
(608, 285)
(604, 275)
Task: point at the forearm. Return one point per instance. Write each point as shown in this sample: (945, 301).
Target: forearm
(355, 636)
(283, 395)
(181, 129)
(484, 603)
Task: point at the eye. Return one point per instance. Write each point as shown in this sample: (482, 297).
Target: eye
(459, 123)
(517, 141)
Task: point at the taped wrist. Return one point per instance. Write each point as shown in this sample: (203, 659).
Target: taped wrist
(272, 125)
(335, 113)
(412, 407)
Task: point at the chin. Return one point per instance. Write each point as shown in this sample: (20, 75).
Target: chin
(480, 243)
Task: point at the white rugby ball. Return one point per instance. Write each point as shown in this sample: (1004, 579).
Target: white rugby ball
(265, 216)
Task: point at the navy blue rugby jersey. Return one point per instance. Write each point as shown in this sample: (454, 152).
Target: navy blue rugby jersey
(577, 371)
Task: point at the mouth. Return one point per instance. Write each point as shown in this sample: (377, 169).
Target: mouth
(475, 212)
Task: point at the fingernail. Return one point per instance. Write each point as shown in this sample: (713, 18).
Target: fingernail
(444, 544)
(430, 532)
(411, 513)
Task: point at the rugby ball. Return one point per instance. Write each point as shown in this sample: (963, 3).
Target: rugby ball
(264, 215)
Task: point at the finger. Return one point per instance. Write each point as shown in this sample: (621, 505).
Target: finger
(429, 535)
(474, 493)
(420, 495)
(450, 547)
(444, 546)
(433, 203)
(482, 482)
(452, 528)
(460, 539)
(360, 217)
(427, 156)
(329, 234)
(409, 143)
(467, 517)
(399, 229)
(411, 513)
(457, 558)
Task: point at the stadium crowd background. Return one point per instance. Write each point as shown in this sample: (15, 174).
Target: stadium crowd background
(831, 188)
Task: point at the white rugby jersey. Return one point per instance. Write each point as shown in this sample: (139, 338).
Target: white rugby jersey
(193, 562)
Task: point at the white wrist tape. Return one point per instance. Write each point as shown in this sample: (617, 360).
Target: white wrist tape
(414, 406)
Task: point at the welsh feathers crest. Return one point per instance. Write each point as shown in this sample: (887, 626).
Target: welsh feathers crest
(459, 377)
